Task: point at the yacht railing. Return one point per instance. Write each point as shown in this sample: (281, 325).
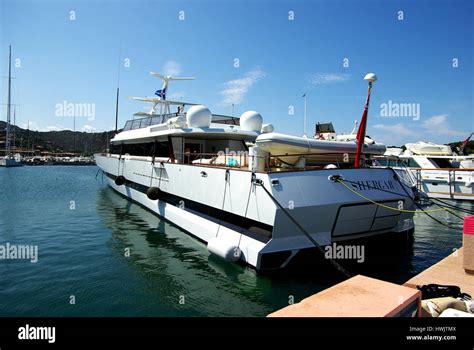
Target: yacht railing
(244, 161)
(155, 119)
(140, 123)
(241, 160)
(450, 179)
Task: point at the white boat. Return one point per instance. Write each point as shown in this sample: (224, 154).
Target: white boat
(291, 149)
(9, 162)
(211, 176)
(423, 148)
(449, 176)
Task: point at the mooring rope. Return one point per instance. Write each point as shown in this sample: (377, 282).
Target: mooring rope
(420, 209)
(338, 266)
(387, 206)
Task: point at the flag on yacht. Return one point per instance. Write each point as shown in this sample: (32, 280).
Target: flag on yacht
(161, 93)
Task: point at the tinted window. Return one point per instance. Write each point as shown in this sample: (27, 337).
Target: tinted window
(115, 148)
(162, 149)
(145, 149)
(138, 149)
(442, 163)
(411, 163)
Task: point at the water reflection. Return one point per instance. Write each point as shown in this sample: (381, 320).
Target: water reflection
(174, 264)
(170, 264)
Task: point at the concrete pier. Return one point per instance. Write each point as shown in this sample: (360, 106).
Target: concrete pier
(362, 296)
(359, 296)
(449, 271)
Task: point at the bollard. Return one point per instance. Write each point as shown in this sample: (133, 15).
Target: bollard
(468, 244)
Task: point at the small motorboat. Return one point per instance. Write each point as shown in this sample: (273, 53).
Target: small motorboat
(428, 149)
(291, 148)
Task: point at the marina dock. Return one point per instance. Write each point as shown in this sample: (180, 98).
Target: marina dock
(448, 271)
(361, 296)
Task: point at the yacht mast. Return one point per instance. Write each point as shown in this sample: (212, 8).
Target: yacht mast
(7, 137)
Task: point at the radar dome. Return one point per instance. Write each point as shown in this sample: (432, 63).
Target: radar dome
(266, 128)
(251, 121)
(198, 117)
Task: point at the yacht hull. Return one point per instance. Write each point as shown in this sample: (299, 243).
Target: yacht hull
(224, 204)
(9, 163)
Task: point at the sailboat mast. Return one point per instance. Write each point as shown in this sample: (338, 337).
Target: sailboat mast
(7, 140)
(14, 128)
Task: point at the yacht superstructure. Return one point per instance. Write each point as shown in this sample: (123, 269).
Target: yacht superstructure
(215, 177)
(434, 169)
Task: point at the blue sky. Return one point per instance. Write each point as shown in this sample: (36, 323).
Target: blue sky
(423, 57)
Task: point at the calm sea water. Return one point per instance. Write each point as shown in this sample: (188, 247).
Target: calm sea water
(83, 231)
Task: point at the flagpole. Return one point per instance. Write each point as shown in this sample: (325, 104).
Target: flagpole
(370, 78)
(118, 89)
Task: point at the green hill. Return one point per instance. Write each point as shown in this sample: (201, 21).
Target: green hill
(88, 143)
(65, 141)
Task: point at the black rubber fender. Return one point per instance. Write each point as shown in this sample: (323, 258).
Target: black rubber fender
(119, 180)
(153, 193)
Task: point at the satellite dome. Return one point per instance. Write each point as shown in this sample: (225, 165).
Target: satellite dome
(198, 117)
(251, 121)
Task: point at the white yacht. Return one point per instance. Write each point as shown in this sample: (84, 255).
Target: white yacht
(434, 169)
(216, 177)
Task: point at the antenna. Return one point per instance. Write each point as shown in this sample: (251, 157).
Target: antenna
(162, 93)
(166, 79)
(354, 129)
(304, 121)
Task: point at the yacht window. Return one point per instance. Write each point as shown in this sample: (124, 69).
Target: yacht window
(192, 151)
(324, 127)
(144, 149)
(138, 149)
(162, 149)
(155, 120)
(145, 122)
(411, 163)
(128, 125)
(115, 148)
(441, 162)
(136, 124)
